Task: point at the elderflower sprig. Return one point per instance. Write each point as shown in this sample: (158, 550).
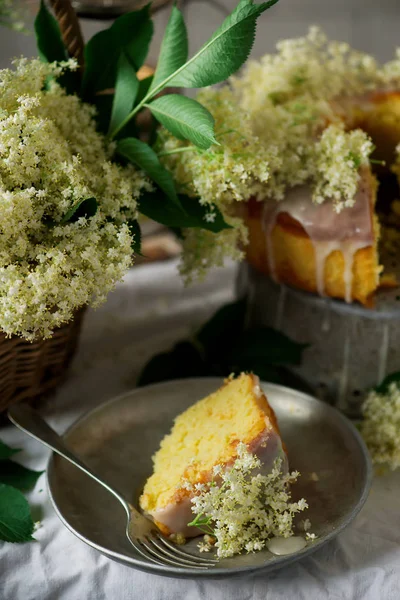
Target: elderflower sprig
(338, 158)
(381, 425)
(242, 508)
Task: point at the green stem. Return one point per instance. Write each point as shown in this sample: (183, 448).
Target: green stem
(176, 151)
(150, 94)
(221, 133)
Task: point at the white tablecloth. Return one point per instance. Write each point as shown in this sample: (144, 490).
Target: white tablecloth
(146, 313)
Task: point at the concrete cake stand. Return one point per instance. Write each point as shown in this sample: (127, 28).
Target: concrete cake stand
(351, 349)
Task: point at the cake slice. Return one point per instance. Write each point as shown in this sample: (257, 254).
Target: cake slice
(206, 435)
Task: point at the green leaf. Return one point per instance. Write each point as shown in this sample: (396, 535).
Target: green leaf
(264, 345)
(136, 234)
(383, 387)
(130, 33)
(226, 51)
(6, 451)
(16, 524)
(183, 361)
(223, 328)
(146, 159)
(144, 86)
(189, 212)
(103, 104)
(174, 48)
(51, 47)
(12, 473)
(100, 64)
(84, 208)
(126, 89)
(48, 36)
(185, 118)
(222, 346)
(134, 31)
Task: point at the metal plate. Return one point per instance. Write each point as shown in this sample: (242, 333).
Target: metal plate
(119, 437)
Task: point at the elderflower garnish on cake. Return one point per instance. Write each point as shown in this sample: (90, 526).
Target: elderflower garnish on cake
(225, 462)
(245, 508)
(302, 132)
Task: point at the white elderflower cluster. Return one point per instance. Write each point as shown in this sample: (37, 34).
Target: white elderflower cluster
(51, 159)
(339, 156)
(245, 508)
(204, 249)
(381, 426)
(311, 67)
(224, 173)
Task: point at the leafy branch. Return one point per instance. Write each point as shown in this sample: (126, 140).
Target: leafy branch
(232, 40)
(111, 83)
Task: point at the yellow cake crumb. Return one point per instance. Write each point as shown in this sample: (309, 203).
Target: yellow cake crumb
(205, 435)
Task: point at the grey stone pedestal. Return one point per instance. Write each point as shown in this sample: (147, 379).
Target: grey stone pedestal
(351, 348)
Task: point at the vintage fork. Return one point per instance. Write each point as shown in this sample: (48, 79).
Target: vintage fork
(144, 536)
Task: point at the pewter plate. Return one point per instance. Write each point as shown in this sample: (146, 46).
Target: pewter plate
(119, 437)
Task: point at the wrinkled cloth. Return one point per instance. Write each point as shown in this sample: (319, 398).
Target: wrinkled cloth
(147, 313)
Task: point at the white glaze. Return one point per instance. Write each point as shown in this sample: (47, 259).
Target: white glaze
(281, 546)
(347, 231)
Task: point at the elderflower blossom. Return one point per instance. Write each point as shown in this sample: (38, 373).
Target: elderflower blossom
(381, 426)
(312, 67)
(338, 158)
(10, 16)
(246, 508)
(280, 124)
(51, 159)
(305, 524)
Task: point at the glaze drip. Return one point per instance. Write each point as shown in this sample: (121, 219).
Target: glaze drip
(329, 231)
(281, 546)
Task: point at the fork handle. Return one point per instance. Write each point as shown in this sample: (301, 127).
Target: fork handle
(29, 421)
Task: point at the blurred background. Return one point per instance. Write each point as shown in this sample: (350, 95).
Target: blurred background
(369, 25)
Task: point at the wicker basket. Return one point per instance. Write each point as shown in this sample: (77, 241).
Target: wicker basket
(30, 369)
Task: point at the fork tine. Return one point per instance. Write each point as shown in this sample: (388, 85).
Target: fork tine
(188, 559)
(174, 548)
(171, 561)
(145, 554)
